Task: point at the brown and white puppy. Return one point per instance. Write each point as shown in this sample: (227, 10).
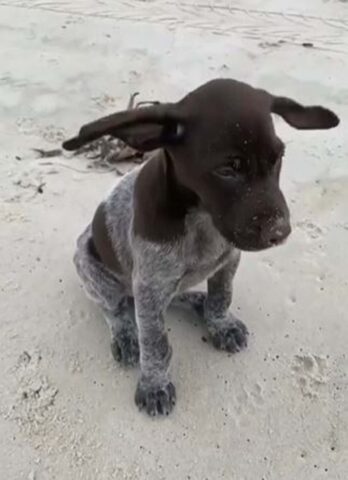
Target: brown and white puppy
(210, 191)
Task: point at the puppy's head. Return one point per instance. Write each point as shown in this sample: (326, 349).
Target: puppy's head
(224, 148)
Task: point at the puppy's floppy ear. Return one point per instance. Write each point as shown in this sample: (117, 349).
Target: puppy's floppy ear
(304, 118)
(144, 129)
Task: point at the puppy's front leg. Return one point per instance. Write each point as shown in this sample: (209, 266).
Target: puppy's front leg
(227, 332)
(155, 393)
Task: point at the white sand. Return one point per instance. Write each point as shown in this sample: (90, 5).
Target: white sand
(279, 411)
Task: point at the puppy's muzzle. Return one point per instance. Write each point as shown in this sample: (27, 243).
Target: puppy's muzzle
(269, 233)
(276, 233)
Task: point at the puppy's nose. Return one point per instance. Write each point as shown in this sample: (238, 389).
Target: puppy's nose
(277, 232)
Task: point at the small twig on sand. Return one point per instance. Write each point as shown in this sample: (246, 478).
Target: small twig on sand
(131, 101)
(48, 153)
(69, 167)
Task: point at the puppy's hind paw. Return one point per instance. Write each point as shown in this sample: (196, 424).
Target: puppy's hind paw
(125, 349)
(231, 337)
(191, 301)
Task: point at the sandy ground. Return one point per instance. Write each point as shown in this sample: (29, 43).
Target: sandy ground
(277, 411)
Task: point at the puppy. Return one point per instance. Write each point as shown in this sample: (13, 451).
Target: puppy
(210, 191)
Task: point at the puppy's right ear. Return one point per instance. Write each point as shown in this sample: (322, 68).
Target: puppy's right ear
(304, 117)
(143, 129)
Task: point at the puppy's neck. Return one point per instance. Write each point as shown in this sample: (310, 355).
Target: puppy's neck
(161, 202)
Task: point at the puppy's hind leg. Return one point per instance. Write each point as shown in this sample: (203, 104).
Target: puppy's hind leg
(103, 287)
(124, 333)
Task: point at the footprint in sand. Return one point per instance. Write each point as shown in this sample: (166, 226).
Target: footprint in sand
(34, 395)
(249, 400)
(310, 372)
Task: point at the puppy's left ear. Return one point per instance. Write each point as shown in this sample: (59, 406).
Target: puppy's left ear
(144, 128)
(304, 118)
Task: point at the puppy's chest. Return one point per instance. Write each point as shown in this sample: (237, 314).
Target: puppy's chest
(204, 250)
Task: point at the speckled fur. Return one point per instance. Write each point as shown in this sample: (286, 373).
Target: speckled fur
(156, 275)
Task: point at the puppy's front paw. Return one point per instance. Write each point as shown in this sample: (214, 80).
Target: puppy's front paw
(155, 400)
(231, 337)
(125, 348)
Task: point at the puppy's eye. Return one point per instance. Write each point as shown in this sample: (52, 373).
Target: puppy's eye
(230, 169)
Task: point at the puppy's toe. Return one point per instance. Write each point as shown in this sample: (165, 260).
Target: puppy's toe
(232, 337)
(155, 400)
(125, 349)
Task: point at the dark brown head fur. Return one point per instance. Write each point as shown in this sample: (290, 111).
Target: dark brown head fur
(219, 152)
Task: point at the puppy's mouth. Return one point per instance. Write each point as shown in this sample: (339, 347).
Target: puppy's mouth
(257, 247)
